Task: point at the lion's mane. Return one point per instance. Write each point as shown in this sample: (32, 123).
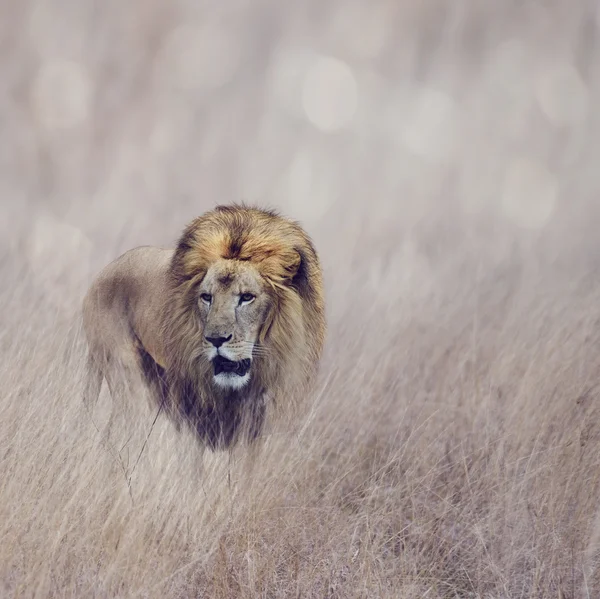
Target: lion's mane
(291, 338)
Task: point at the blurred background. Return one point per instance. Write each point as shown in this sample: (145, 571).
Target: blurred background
(443, 156)
(121, 122)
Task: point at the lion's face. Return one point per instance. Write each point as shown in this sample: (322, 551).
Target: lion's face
(233, 307)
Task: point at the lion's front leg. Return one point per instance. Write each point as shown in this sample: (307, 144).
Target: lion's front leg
(125, 384)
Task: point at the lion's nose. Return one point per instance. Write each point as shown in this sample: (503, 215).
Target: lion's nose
(218, 341)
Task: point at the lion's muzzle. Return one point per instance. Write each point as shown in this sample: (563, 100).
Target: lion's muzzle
(223, 365)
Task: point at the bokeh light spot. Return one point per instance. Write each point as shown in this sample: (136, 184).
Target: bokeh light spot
(562, 95)
(430, 126)
(329, 94)
(61, 94)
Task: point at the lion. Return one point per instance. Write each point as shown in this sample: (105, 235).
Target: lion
(220, 330)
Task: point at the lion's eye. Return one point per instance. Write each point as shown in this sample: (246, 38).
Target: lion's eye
(206, 298)
(246, 298)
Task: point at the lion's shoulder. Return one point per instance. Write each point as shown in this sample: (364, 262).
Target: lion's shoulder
(131, 293)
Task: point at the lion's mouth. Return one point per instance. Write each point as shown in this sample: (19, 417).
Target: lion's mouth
(223, 365)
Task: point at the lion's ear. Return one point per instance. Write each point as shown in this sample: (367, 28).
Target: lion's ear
(289, 269)
(298, 272)
(179, 263)
(292, 265)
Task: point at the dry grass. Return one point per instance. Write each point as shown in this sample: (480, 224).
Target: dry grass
(453, 448)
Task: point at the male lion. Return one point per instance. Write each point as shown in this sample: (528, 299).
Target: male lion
(218, 329)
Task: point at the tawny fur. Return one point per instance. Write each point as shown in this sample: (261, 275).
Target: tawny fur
(142, 323)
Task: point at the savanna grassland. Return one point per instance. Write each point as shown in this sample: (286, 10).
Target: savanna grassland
(443, 156)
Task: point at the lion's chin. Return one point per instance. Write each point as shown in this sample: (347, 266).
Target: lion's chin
(230, 380)
(230, 374)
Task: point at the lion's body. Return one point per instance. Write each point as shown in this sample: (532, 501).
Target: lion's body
(145, 322)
